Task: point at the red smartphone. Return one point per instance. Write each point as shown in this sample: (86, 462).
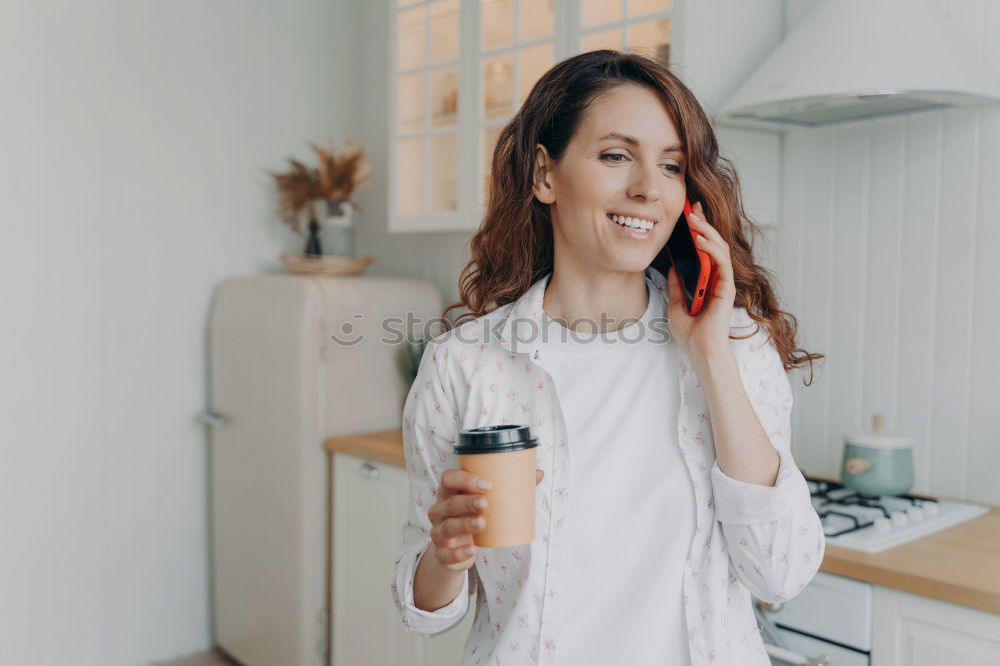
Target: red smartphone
(694, 266)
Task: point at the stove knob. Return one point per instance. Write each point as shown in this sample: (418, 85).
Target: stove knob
(915, 513)
(882, 524)
(931, 509)
(899, 518)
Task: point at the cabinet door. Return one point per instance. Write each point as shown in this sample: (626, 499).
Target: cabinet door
(911, 630)
(370, 502)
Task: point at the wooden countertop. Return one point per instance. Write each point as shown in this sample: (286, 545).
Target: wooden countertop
(960, 565)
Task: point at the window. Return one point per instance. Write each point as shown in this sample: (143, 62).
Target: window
(449, 53)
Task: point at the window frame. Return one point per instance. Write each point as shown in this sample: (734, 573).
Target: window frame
(567, 37)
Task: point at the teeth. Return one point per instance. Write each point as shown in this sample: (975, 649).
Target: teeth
(633, 223)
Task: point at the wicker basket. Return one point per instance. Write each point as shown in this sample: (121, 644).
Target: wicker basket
(326, 265)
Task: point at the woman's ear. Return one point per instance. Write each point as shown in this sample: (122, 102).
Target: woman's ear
(542, 187)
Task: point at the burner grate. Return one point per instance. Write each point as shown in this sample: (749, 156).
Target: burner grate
(825, 487)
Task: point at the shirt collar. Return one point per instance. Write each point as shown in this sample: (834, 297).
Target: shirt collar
(519, 331)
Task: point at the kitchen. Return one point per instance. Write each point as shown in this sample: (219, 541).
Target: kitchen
(877, 229)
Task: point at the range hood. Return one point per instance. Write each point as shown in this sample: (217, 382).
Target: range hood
(855, 59)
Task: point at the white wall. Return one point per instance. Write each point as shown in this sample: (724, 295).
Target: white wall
(134, 135)
(888, 244)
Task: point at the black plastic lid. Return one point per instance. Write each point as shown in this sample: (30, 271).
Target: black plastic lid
(495, 439)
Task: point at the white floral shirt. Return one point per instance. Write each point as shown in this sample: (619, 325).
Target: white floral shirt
(749, 538)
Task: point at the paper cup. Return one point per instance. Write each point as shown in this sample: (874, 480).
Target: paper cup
(505, 455)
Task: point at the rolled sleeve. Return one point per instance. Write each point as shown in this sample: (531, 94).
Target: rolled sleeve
(742, 503)
(431, 424)
(773, 534)
(428, 623)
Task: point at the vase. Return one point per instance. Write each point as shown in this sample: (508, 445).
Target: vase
(338, 229)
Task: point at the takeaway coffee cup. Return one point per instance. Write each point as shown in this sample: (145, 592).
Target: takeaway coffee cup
(505, 455)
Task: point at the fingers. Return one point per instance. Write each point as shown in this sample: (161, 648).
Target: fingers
(456, 505)
(457, 480)
(456, 559)
(458, 516)
(460, 526)
(711, 241)
(698, 222)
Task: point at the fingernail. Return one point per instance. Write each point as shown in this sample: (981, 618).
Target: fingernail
(476, 522)
(469, 551)
(479, 503)
(484, 484)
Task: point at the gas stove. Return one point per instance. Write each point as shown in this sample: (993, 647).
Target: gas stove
(874, 523)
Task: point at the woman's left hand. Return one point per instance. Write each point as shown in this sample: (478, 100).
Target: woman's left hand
(707, 332)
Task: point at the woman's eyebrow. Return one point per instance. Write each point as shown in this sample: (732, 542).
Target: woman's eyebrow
(631, 140)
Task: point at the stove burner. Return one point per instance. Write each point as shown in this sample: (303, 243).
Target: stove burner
(824, 487)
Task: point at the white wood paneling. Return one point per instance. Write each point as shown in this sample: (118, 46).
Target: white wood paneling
(135, 137)
(887, 239)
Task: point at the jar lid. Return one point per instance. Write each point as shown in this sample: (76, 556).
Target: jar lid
(878, 440)
(495, 439)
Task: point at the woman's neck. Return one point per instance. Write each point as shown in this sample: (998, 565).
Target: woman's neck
(595, 301)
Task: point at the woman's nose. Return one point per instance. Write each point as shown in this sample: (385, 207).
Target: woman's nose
(645, 184)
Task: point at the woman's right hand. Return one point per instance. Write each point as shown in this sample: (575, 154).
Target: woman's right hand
(459, 503)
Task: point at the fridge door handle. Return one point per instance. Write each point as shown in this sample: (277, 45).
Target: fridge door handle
(794, 657)
(208, 417)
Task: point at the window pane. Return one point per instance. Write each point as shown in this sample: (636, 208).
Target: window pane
(444, 172)
(411, 103)
(444, 30)
(599, 12)
(605, 39)
(537, 19)
(535, 61)
(499, 88)
(444, 97)
(498, 24)
(411, 39)
(651, 39)
(411, 176)
(643, 7)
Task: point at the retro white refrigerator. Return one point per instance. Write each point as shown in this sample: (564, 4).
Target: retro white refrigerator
(279, 385)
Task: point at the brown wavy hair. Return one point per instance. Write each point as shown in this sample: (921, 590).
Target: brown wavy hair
(513, 246)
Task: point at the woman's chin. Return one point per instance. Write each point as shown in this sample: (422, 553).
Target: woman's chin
(631, 262)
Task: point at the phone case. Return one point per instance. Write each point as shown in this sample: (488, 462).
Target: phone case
(694, 266)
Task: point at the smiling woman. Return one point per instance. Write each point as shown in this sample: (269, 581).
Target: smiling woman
(632, 131)
(666, 490)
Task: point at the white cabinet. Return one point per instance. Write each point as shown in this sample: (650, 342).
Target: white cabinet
(369, 509)
(910, 630)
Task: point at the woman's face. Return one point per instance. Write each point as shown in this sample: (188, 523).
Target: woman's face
(604, 173)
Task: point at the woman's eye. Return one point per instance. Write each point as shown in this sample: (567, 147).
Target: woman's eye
(676, 169)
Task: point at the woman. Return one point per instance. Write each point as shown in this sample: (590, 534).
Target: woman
(654, 522)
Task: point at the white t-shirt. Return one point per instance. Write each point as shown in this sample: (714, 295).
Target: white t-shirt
(631, 514)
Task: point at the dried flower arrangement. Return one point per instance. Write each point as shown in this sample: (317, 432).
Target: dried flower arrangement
(301, 188)
(335, 180)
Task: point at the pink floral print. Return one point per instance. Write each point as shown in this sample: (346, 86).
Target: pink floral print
(749, 538)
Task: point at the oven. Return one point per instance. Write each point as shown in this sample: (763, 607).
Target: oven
(828, 623)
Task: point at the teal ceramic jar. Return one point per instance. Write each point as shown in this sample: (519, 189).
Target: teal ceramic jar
(877, 463)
